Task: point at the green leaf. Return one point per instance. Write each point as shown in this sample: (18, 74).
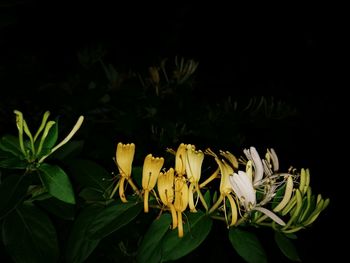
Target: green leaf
(207, 198)
(29, 236)
(90, 174)
(278, 196)
(195, 231)
(58, 208)
(12, 192)
(150, 249)
(57, 182)
(113, 217)
(51, 137)
(10, 143)
(79, 246)
(286, 246)
(92, 194)
(69, 150)
(12, 162)
(247, 245)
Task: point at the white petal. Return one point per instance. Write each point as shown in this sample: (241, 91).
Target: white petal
(259, 169)
(270, 214)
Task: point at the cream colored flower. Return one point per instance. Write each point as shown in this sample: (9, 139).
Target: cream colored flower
(150, 172)
(181, 201)
(166, 192)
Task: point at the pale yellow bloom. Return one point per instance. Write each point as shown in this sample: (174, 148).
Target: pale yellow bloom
(150, 172)
(181, 201)
(124, 158)
(180, 159)
(166, 192)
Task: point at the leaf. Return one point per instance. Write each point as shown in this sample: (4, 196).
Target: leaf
(90, 174)
(151, 247)
(286, 246)
(13, 162)
(12, 192)
(113, 217)
(69, 150)
(57, 182)
(79, 246)
(247, 245)
(58, 208)
(29, 236)
(10, 143)
(92, 194)
(195, 231)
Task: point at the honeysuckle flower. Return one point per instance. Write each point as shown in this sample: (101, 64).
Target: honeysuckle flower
(165, 185)
(194, 160)
(253, 156)
(244, 190)
(225, 189)
(180, 159)
(181, 201)
(124, 158)
(150, 172)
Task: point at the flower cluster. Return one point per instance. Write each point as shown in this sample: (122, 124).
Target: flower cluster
(257, 193)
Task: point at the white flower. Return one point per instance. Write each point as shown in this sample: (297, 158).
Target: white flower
(244, 190)
(253, 156)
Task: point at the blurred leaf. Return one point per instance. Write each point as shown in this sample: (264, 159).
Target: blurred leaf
(207, 198)
(195, 231)
(12, 192)
(113, 217)
(286, 246)
(79, 246)
(278, 196)
(58, 208)
(90, 174)
(92, 194)
(29, 236)
(7, 160)
(247, 245)
(150, 249)
(57, 182)
(10, 143)
(69, 150)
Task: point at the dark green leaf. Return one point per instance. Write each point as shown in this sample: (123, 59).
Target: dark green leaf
(13, 162)
(79, 246)
(10, 143)
(279, 196)
(113, 217)
(90, 174)
(195, 231)
(247, 245)
(137, 175)
(57, 182)
(151, 247)
(58, 208)
(12, 192)
(92, 194)
(29, 236)
(69, 150)
(286, 246)
(207, 198)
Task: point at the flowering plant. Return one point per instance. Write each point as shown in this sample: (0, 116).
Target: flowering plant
(48, 194)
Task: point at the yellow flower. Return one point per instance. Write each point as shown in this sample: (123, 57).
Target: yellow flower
(166, 192)
(151, 169)
(181, 201)
(225, 189)
(194, 160)
(180, 159)
(124, 158)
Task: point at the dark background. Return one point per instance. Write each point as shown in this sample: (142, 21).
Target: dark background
(290, 52)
